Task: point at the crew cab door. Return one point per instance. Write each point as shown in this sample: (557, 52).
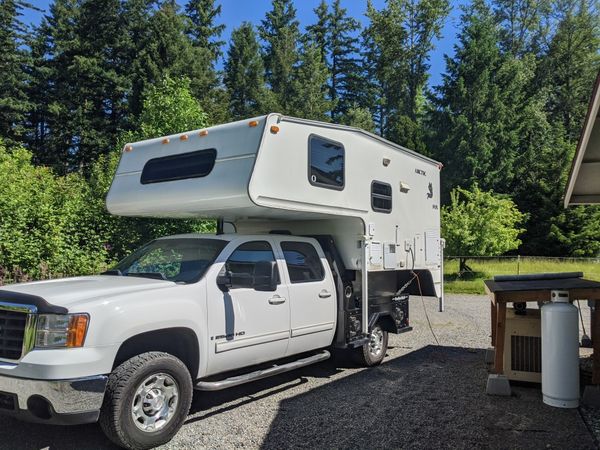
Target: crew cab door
(313, 304)
(246, 326)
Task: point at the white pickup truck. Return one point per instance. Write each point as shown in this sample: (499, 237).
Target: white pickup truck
(331, 266)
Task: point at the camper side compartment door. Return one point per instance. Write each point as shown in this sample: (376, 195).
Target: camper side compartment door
(246, 326)
(313, 304)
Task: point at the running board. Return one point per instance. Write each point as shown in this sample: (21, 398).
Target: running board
(260, 374)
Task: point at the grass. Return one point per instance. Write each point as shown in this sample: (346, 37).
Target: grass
(486, 268)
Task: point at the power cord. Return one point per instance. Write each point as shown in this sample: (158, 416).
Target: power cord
(416, 276)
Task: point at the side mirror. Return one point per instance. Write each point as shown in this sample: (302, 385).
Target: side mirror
(265, 276)
(224, 281)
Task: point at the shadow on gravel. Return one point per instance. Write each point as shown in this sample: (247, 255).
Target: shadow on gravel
(433, 397)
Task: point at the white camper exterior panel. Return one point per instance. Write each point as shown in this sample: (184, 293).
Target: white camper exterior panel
(280, 179)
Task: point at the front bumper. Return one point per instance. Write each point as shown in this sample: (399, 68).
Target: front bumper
(60, 402)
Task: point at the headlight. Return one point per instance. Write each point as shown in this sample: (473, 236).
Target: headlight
(61, 330)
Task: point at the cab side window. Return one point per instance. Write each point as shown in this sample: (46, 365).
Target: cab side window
(245, 257)
(303, 262)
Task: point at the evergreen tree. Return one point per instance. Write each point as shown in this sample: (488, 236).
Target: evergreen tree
(164, 49)
(244, 74)
(136, 16)
(399, 40)
(317, 34)
(102, 79)
(309, 94)
(358, 117)
(572, 63)
(59, 40)
(203, 30)
(280, 32)
(14, 103)
(468, 103)
(521, 27)
(345, 67)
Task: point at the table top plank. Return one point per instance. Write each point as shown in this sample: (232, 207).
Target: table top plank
(541, 285)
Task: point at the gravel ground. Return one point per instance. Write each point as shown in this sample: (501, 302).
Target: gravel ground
(423, 396)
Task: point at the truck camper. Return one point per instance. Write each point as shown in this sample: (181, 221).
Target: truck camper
(324, 231)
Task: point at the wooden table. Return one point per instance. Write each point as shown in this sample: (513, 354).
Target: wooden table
(528, 288)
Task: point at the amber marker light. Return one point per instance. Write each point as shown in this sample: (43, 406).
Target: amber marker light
(166, 140)
(253, 123)
(128, 148)
(77, 329)
(203, 133)
(183, 137)
(274, 129)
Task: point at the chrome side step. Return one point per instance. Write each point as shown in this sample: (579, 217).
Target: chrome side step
(259, 374)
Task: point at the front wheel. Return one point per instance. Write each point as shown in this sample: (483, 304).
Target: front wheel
(147, 400)
(373, 352)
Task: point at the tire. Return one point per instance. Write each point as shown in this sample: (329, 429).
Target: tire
(372, 353)
(161, 387)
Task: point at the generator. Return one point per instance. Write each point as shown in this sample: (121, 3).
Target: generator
(523, 345)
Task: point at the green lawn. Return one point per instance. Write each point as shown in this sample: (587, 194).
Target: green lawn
(472, 283)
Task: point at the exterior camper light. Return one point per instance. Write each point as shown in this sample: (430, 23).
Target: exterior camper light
(128, 148)
(274, 129)
(253, 123)
(203, 133)
(183, 137)
(166, 140)
(386, 162)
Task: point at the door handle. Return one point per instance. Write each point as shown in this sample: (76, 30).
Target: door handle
(324, 294)
(276, 300)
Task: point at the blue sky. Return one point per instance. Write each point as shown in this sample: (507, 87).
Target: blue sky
(234, 12)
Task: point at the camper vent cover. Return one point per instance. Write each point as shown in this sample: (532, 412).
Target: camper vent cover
(526, 355)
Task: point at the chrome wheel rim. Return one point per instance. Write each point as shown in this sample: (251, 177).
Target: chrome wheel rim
(155, 402)
(376, 342)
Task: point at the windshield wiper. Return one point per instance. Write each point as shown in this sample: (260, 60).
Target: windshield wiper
(113, 272)
(153, 275)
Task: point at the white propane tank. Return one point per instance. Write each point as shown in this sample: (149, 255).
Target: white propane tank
(560, 352)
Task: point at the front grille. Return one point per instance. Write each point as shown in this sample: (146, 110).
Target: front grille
(526, 353)
(12, 333)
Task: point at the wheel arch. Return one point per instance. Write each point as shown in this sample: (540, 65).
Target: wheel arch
(180, 342)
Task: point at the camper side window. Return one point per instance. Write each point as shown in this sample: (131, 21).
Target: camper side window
(303, 262)
(325, 163)
(381, 197)
(244, 258)
(179, 167)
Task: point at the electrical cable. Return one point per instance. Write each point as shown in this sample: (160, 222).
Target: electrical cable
(425, 310)
(416, 276)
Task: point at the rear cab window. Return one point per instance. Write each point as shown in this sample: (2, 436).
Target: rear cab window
(303, 262)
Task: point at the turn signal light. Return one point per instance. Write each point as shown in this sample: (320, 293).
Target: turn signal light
(77, 330)
(274, 129)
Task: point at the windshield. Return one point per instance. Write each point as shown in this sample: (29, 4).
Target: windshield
(181, 260)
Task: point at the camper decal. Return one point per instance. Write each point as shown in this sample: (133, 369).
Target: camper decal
(430, 193)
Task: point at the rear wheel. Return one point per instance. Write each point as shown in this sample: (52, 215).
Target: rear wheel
(147, 400)
(373, 352)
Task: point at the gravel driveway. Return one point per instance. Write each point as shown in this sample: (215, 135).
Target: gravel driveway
(423, 396)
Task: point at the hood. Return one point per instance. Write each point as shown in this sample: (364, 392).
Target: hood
(67, 292)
